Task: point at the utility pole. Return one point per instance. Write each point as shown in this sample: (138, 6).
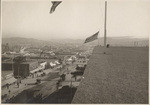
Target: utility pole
(105, 23)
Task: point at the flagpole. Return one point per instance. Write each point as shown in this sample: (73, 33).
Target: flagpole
(105, 23)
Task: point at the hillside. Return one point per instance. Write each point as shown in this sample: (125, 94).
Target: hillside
(18, 40)
(113, 41)
(123, 41)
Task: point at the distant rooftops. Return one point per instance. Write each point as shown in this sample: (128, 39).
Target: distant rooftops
(82, 56)
(10, 61)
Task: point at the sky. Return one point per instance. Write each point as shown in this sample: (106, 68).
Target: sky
(75, 19)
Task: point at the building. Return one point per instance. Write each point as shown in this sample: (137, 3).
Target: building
(23, 69)
(81, 61)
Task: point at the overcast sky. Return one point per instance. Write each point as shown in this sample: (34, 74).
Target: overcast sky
(75, 19)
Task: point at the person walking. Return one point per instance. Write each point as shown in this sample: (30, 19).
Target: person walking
(7, 85)
(18, 84)
(9, 91)
(57, 84)
(75, 77)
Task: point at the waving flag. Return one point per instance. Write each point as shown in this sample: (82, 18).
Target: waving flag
(54, 5)
(92, 38)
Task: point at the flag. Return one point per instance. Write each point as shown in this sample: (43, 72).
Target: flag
(54, 5)
(91, 38)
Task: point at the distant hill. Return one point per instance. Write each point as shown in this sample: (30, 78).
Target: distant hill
(114, 41)
(22, 41)
(123, 41)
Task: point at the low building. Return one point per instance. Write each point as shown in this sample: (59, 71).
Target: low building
(19, 68)
(81, 61)
(7, 65)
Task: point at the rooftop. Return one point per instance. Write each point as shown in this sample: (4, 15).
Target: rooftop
(118, 77)
(24, 62)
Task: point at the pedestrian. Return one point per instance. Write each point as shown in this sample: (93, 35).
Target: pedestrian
(57, 84)
(7, 100)
(107, 45)
(7, 85)
(75, 77)
(9, 91)
(18, 84)
(63, 77)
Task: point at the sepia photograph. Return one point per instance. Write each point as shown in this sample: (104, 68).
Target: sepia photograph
(75, 51)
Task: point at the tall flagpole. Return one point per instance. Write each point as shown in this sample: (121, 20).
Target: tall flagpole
(105, 23)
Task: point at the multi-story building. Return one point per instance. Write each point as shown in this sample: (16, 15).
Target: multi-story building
(81, 61)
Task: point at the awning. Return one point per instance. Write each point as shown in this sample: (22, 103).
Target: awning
(36, 70)
(52, 64)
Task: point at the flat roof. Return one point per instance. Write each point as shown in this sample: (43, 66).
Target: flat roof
(118, 77)
(28, 61)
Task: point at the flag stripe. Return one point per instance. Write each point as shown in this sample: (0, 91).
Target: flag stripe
(92, 38)
(54, 5)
